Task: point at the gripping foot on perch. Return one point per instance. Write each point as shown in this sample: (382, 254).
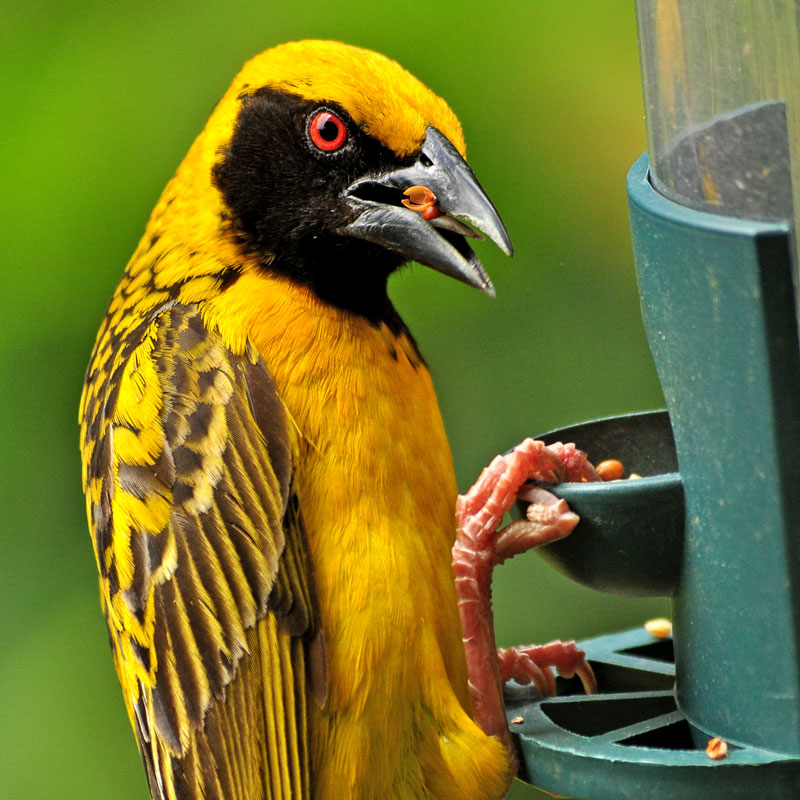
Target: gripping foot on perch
(480, 545)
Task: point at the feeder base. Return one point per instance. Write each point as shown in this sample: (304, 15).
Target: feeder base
(631, 740)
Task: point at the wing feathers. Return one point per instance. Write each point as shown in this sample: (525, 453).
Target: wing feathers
(217, 606)
(226, 584)
(270, 417)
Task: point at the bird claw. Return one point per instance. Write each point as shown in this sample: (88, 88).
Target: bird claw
(575, 463)
(533, 664)
(480, 546)
(480, 511)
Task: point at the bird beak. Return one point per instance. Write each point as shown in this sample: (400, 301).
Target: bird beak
(426, 211)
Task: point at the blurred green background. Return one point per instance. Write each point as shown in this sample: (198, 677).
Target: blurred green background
(100, 102)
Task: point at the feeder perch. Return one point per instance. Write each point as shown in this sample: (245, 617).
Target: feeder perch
(714, 523)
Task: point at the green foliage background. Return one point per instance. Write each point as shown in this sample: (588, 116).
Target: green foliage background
(101, 100)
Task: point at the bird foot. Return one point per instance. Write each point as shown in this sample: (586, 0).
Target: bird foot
(533, 663)
(480, 511)
(480, 546)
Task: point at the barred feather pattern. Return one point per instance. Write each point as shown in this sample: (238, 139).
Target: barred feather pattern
(203, 560)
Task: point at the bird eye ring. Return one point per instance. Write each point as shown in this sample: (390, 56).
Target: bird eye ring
(327, 131)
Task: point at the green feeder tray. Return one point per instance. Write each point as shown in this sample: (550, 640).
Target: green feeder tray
(630, 538)
(714, 523)
(632, 740)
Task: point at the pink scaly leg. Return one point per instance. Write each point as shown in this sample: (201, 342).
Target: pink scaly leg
(480, 546)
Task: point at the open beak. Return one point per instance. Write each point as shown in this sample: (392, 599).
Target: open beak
(433, 233)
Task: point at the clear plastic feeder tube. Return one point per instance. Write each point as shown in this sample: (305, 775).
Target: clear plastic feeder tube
(722, 104)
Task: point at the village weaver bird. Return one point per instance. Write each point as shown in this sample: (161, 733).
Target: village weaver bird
(269, 487)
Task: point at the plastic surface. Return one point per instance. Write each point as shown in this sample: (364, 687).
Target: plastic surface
(718, 307)
(722, 103)
(631, 740)
(630, 537)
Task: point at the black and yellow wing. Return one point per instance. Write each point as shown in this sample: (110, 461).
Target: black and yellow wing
(205, 576)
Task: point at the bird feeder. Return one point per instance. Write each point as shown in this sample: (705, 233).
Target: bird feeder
(714, 521)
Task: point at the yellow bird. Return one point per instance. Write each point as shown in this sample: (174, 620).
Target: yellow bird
(269, 486)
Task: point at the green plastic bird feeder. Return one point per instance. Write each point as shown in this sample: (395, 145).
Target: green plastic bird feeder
(714, 523)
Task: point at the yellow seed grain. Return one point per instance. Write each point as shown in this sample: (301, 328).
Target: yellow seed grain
(716, 748)
(610, 469)
(660, 627)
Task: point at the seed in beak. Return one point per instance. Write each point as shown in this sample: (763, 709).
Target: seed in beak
(423, 200)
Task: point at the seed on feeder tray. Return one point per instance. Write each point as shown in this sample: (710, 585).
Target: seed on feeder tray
(716, 748)
(610, 469)
(660, 627)
(517, 720)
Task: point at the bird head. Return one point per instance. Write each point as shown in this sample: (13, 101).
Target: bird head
(334, 166)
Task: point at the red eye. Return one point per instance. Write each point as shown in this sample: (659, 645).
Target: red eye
(327, 131)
